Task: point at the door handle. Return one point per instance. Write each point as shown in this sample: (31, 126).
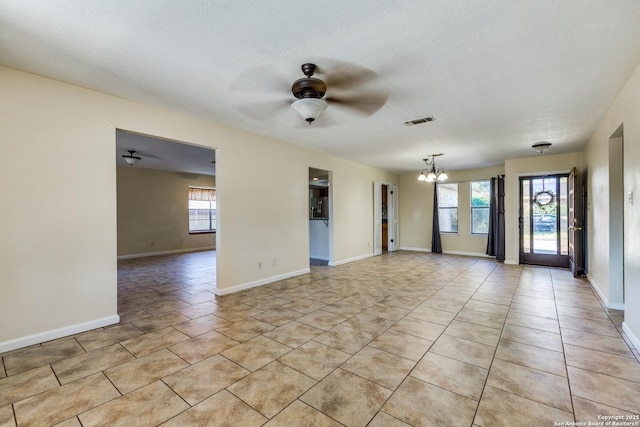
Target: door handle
(571, 227)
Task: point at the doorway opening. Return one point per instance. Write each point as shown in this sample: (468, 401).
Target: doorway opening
(616, 219)
(385, 217)
(544, 216)
(320, 218)
(158, 199)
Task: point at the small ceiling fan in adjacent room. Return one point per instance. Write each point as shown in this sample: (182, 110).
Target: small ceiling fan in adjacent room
(345, 92)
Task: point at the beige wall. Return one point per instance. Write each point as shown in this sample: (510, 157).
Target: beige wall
(153, 215)
(58, 253)
(416, 213)
(416, 204)
(538, 165)
(624, 112)
(58, 257)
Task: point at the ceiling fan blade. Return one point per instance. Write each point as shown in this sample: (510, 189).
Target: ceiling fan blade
(366, 105)
(346, 76)
(350, 80)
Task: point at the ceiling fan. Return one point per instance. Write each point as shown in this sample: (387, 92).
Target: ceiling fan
(346, 91)
(309, 92)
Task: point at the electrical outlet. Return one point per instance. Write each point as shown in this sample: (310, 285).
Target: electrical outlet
(259, 264)
(275, 262)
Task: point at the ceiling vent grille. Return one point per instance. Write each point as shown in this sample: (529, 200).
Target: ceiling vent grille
(419, 120)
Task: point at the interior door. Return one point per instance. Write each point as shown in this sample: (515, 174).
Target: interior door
(575, 228)
(377, 218)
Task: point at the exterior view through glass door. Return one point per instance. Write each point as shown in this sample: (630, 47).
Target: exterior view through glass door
(544, 216)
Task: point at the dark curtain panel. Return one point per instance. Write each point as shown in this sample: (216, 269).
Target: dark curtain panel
(492, 246)
(436, 244)
(495, 241)
(500, 249)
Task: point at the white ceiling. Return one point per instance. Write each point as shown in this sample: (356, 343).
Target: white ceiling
(498, 75)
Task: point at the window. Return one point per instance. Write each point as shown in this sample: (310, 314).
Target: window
(202, 210)
(448, 207)
(480, 196)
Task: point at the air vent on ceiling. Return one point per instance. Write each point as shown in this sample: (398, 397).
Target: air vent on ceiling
(419, 120)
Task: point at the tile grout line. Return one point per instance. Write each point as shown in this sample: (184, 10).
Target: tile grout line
(484, 387)
(564, 353)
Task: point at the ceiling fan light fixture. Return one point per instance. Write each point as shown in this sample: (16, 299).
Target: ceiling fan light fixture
(130, 158)
(541, 147)
(442, 176)
(431, 177)
(422, 176)
(309, 108)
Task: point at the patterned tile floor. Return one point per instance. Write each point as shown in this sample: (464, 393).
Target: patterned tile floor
(404, 339)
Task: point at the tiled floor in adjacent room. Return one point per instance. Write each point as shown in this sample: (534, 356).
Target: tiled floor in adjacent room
(403, 339)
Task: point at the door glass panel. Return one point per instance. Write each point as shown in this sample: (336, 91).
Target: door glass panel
(545, 235)
(564, 218)
(526, 217)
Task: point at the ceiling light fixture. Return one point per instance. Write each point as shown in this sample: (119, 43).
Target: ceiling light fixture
(309, 92)
(434, 174)
(130, 158)
(309, 108)
(541, 147)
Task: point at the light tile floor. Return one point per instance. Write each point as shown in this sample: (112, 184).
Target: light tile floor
(404, 339)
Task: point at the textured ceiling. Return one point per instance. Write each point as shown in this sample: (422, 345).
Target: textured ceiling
(497, 75)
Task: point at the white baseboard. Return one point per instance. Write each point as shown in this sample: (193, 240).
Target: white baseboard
(261, 282)
(510, 262)
(632, 337)
(604, 299)
(57, 333)
(348, 260)
(404, 248)
(171, 252)
(474, 254)
(321, 257)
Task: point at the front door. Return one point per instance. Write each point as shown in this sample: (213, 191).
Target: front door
(544, 220)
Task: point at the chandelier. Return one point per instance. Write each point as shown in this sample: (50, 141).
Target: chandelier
(434, 174)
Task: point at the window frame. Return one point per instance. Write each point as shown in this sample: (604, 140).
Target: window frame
(212, 208)
(473, 208)
(450, 208)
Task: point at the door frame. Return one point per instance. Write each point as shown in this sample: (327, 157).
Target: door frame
(516, 202)
(549, 260)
